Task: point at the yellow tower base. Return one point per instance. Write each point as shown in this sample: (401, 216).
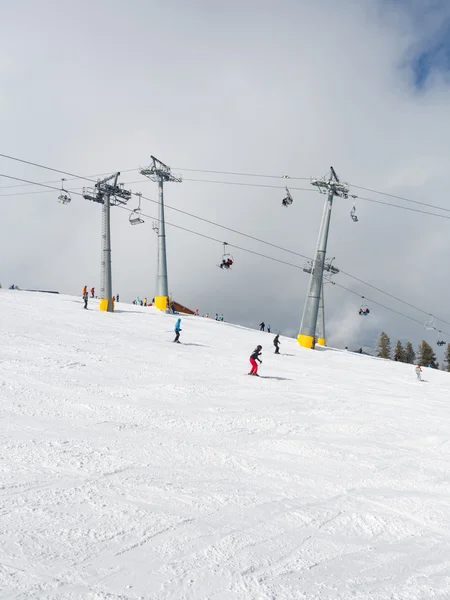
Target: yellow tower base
(321, 341)
(161, 302)
(306, 341)
(104, 304)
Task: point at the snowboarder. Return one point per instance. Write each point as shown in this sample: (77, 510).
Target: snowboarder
(177, 330)
(262, 326)
(253, 358)
(276, 343)
(92, 292)
(85, 298)
(418, 372)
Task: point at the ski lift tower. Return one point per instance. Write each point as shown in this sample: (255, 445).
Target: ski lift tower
(107, 194)
(159, 172)
(332, 187)
(330, 270)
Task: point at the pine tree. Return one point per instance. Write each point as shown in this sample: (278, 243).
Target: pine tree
(447, 358)
(410, 355)
(383, 346)
(399, 351)
(426, 355)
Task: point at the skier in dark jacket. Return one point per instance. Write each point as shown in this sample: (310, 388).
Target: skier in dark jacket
(253, 358)
(276, 343)
(262, 326)
(177, 330)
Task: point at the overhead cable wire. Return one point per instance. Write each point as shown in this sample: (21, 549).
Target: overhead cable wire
(400, 198)
(287, 264)
(259, 240)
(242, 174)
(245, 235)
(371, 301)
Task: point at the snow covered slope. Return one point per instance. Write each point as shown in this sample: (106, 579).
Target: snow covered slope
(132, 467)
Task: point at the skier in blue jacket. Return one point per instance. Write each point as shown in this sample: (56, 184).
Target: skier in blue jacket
(177, 330)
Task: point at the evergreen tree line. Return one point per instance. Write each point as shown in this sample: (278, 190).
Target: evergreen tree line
(424, 356)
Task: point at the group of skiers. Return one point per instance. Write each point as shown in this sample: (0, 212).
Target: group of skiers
(85, 296)
(262, 327)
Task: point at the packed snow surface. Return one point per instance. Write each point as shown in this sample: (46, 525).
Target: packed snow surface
(134, 468)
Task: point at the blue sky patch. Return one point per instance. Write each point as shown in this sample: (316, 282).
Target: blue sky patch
(434, 56)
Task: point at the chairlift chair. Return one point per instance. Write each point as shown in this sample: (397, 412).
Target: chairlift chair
(134, 218)
(287, 200)
(64, 196)
(227, 259)
(353, 214)
(364, 309)
(431, 324)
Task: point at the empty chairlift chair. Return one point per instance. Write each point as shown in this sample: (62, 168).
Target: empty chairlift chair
(135, 218)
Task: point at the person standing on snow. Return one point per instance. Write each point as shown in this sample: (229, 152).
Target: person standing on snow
(92, 292)
(253, 358)
(276, 343)
(262, 326)
(268, 328)
(177, 330)
(85, 298)
(418, 372)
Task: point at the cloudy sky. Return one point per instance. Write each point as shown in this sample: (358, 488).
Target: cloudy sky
(258, 87)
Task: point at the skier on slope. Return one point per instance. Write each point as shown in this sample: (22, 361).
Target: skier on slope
(276, 343)
(85, 298)
(418, 371)
(177, 330)
(253, 358)
(262, 326)
(92, 292)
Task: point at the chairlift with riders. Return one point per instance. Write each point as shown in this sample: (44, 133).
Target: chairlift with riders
(364, 309)
(135, 218)
(287, 200)
(64, 196)
(227, 259)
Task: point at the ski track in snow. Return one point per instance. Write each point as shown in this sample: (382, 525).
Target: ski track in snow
(132, 468)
